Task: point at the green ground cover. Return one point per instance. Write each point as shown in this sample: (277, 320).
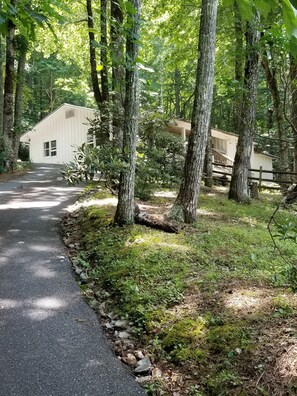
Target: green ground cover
(205, 301)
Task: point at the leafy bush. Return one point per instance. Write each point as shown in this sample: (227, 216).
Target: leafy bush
(283, 227)
(159, 161)
(23, 152)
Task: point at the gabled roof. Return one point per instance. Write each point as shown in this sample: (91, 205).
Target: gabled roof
(56, 111)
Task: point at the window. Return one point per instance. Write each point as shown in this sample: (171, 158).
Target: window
(50, 148)
(46, 149)
(53, 148)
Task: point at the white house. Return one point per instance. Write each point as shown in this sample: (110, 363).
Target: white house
(55, 138)
(224, 148)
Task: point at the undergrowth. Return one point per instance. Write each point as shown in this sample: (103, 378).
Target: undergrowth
(183, 290)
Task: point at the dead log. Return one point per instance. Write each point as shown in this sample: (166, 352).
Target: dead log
(152, 222)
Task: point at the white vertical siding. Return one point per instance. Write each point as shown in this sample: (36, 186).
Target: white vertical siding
(263, 160)
(68, 132)
(257, 160)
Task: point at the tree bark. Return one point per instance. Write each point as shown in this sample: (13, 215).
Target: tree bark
(118, 73)
(8, 107)
(1, 87)
(239, 181)
(271, 79)
(293, 78)
(126, 209)
(17, 131)
(238, 68)
(185, 206)
(103, 52)
(105, 110)
(92, 50)
(177, 92)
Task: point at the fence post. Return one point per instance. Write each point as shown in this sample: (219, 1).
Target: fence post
(260, 177)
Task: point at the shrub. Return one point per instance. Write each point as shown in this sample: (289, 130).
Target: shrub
(158, 164)
(23, 152)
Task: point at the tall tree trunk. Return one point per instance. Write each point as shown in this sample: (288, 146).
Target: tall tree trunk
(93, 61)
(239, 181)
(118, 73)
(293, 78)
(177, 92)
(17, 130)
(125, 210)
(238, 67)
(105, 110)
(1, 86)
(8, 108)
(103, 51)
(271, 79)
(185, 206)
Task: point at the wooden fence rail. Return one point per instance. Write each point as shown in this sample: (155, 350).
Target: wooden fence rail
(260, 178)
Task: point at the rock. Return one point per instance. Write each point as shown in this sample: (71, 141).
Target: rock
(108, 326)
(128, 344)
(142, 380)
(156, 373)
(139, 354)
(71, 246)
(120, 324)
(75, 263)
(102, 309)
(84, 278)
(130, 359)
(78, 271)
(123, 335)
(143, 365)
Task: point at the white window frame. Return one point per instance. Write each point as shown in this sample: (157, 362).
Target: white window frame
(50, 148)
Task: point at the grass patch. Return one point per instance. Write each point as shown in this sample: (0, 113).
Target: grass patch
(202, 299)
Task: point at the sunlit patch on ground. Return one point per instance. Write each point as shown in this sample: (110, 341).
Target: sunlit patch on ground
(49, 303)
(189, 306)
(204, 212)
(165, 194)
(8, 304)
(248, 301)
(27, 205)
(93, 202)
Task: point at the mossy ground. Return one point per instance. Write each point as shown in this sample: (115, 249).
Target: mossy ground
(213, 304)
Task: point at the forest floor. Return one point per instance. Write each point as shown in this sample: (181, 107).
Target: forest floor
(210, 310)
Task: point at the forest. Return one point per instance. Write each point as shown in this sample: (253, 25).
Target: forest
(208, 290)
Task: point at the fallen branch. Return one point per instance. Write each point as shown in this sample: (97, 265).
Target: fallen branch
(152, 222)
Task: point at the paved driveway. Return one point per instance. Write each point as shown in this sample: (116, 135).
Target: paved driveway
(50, 340)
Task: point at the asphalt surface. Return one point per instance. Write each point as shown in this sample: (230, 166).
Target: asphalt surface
(51, 342)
